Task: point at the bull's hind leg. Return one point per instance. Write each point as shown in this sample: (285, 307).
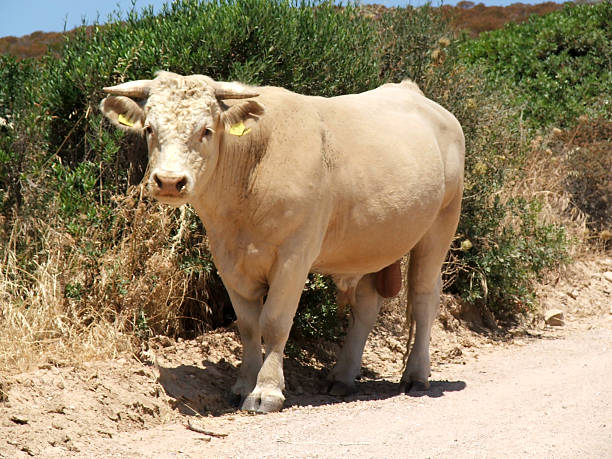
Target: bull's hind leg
(364, 312)
(424, 284)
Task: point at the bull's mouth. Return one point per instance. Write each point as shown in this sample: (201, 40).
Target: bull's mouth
(171, 201)
(168, 198)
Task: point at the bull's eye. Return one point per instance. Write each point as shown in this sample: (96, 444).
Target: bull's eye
(148, 129)
(205, 134)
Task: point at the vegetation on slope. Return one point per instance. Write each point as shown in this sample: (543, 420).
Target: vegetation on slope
(556, 70)
(471, 17)
(554, 67)
(475, 18)
(88, 262)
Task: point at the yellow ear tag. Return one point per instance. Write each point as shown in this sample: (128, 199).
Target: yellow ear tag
(125, 121)
(239, 129)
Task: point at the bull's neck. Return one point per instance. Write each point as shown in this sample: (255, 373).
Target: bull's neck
(229, 192)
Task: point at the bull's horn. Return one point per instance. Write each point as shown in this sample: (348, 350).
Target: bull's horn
(226, 90)
(138, 89)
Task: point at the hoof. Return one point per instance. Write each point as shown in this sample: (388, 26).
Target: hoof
(262, 403)
(413, 386)
(340, 389)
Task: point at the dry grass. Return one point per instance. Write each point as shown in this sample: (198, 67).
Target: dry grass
(73, 306)
(570, 171)
(38, 324)
(544, 178)
(475, 17)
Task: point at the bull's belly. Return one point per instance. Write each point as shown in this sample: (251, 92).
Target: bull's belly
(367, 250)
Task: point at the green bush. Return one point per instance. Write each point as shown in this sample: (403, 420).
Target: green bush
(20, 126)
(501, 244)
(318, 315)
(67, 175)
(409, 37)
(508, 248)
(61, 165)
(307, 48)
(553, 67)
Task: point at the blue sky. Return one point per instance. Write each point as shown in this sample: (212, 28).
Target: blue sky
(22, 17)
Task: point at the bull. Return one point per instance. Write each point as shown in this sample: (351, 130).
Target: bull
(286, 184)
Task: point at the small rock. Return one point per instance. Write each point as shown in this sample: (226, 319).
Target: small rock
(608, 276)
(455, 352)
(28, 450)
(58, 409)
(19, 419)
(4, 388)
(554, 317)
(573, 294)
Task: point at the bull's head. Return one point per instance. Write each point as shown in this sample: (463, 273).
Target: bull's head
(184, 120)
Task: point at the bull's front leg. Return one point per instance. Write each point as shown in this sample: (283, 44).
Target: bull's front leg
(247, 314)
(286, 285)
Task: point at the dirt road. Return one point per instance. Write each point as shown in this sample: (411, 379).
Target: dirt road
(533, 391)
(548, 398)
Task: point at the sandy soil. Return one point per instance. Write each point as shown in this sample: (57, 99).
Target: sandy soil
(536, 390)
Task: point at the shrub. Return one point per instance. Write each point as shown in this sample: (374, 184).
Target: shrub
(75, 223)
(554, 67)
(318, 315)
(502, 244)
(585, 150)
(408, 38)
(504, 232)
(125, 261)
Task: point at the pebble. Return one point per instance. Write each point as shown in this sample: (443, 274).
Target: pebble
(573, 294)
(554, 317)
(19, 419)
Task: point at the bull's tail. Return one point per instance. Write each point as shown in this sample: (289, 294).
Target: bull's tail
(409, 317)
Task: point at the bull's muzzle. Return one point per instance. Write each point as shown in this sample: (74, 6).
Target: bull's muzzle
(167, 184)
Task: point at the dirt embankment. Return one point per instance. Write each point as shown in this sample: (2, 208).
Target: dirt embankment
(536, 390)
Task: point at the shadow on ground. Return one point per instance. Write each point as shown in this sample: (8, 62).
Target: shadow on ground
(205, 390)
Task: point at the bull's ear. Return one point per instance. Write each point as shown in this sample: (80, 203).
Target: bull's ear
(240, 112)
(124, 113)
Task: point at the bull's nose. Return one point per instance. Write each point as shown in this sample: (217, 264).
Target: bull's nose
(168, 184)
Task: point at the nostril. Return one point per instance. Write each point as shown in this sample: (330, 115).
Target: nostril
(158, 182)
(169, 184)
(182, 183)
